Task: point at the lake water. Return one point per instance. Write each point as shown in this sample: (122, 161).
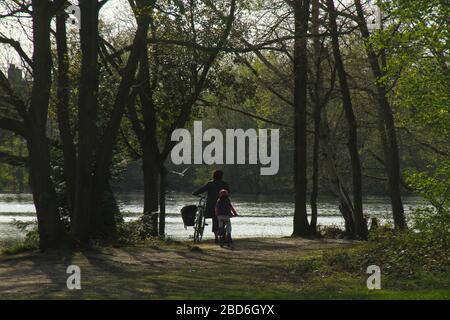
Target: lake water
(260, 216)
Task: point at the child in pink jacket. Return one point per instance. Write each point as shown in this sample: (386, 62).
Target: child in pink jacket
(224, 213)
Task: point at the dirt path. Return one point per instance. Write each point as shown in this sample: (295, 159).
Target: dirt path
(152, 271)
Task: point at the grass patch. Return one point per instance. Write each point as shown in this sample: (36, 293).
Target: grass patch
(16, 246)
(266, 282)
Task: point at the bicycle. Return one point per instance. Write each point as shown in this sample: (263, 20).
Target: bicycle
(200, 220)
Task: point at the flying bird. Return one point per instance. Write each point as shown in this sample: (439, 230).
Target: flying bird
(181, 174)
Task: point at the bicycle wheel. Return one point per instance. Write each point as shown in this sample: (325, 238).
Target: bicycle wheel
(199, 225)
(196, 235)
(202, 228)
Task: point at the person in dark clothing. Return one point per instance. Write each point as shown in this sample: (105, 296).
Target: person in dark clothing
(212, 189)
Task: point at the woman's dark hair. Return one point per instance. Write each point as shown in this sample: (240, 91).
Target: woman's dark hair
(217, 175)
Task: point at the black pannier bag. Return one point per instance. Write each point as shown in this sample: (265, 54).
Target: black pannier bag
(188, 215)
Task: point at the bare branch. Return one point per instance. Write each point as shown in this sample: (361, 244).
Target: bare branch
(16, 46)
(13, 159)
(13, 125)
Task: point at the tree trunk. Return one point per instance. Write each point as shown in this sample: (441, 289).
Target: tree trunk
(44, 194)
(358, 217)
(301, 12)
(315, 184)
(335, 181)
(106, 214)
(162, 201)
(316, 113)
(391, 153)
(62, 110)
(87, 117)
(151, 195)
(147, 138)
(19, 172)
(98, 218)
(105, 152)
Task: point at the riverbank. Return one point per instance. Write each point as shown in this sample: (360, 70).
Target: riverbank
(257, 268)
(260, 216)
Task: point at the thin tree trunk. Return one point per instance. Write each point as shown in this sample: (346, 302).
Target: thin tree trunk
(162, 201)
(315, 182)
(151, 194)
(151, 157)
(150, 165)
(358, 217)
(335, 181)
(19, 172)
(316, 114)
(14, 170)
(391, 153)
(301, 12)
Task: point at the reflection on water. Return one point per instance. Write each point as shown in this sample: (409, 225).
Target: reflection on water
(260, 215)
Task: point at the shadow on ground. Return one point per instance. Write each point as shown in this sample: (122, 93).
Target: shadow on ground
(158, 272)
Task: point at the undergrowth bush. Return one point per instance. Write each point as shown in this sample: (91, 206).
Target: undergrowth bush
(129, 232)
(29, 243)
(331, 232)
(425, 247)
(139, 231)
